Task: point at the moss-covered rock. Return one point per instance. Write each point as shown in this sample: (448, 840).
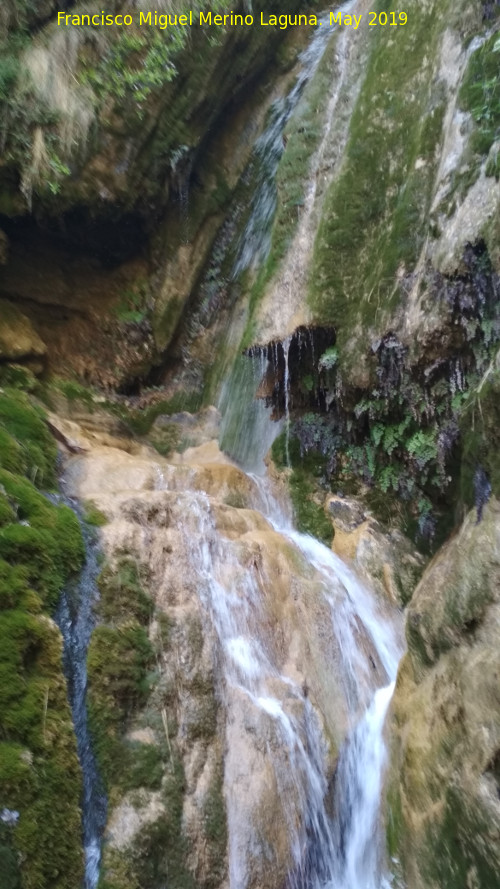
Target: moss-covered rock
(40, 548)
(443, 814)
(140, 746)
(481, 441)
(375, 216)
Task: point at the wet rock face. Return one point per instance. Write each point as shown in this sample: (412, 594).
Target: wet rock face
(291, 362)
(386, 558)
(124, 186)
(443, 801)
(243, 645)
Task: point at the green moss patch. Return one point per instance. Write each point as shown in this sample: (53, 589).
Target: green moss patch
(26, 445)
(304, 487)
(458, 849)
(375, 214)
(40, 548)
(480, 95)
(119, 659)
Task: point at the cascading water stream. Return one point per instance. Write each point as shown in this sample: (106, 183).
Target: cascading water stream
(246, 414)
(344, 852)
(76, 619)
(357, 861)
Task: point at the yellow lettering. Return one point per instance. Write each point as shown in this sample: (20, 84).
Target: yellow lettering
(144, 18)
(183, 20)
(206, 19)
(218, 20)
(335, 18)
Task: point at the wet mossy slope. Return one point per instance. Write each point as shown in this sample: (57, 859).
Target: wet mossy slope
(378, 221)
(40, 547)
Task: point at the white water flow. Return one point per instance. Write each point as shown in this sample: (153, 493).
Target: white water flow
(255, 240)
(77, 619)
(339, 851)
(358, 860)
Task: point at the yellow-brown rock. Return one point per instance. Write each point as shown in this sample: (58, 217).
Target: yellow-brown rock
(18, 338)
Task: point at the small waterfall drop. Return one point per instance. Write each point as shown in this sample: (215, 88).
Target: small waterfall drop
(76, 619)
(344, 850)
(286, 385)
(357, 860)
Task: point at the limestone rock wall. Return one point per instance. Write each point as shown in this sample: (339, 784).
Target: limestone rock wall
(218, 797)
(443, 806)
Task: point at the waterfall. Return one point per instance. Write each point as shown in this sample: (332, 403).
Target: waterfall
(343, 850)
(357, 860)
(334, 835)
(76, 619)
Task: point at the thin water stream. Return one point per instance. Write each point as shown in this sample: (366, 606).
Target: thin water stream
(256, 237)
(76, 619)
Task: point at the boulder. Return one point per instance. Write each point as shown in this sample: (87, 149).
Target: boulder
(19, 341)
(444, 782)
(387, 559)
